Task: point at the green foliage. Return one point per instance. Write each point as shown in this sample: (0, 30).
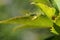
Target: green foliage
(19, 18)
(49, 11)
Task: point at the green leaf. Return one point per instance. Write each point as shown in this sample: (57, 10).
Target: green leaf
(57, 28)
(49, 11)
(57, 25)
(57, 21)
(46, 2)
(54, 4)
(53, 31)
(58, 3)
(43, 21)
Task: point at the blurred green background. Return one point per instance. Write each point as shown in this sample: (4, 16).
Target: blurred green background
(14, 8)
